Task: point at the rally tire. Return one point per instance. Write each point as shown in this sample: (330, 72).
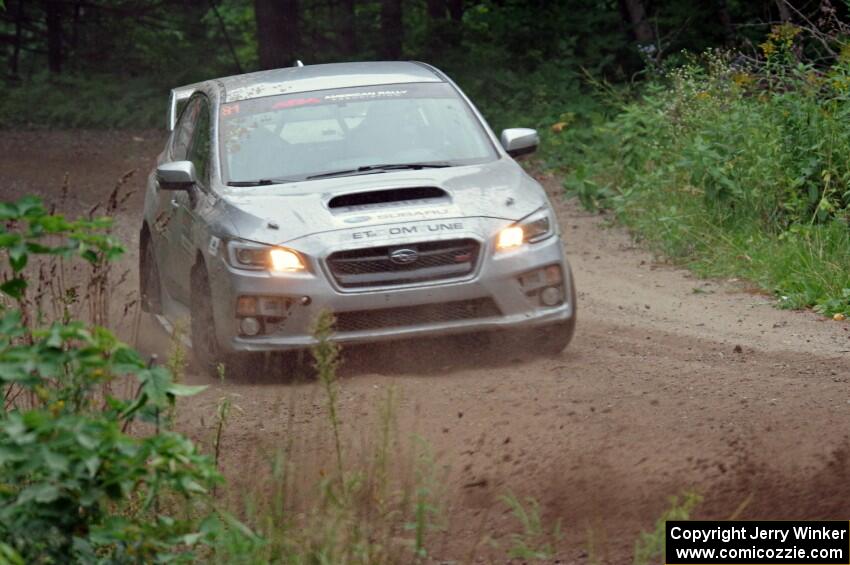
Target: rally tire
(150, 291)
(205, 347)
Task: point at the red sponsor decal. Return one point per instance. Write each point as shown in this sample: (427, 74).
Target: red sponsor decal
(229, 109)
(295, 102)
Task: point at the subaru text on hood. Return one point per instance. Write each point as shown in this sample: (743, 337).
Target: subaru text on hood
(373, 190)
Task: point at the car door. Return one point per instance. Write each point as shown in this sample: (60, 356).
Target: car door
(169, 202)
(187, 205)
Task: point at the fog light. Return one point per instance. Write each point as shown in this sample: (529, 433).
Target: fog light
(553, 274)
(246, 306)
(249, 326)
(550, 296)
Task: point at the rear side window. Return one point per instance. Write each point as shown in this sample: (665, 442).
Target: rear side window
(182, 136)
(199, 149)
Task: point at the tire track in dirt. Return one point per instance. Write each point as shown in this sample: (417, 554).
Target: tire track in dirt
(671, 383)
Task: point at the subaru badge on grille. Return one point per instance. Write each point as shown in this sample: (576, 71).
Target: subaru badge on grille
(404, 256)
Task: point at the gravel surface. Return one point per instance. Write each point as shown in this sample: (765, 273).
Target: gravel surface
(671, 383)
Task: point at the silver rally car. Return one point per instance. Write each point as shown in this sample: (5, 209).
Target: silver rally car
(373, 190)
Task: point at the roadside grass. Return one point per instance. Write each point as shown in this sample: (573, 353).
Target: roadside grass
(732, 172)
(650, 546)
(536, 540)
(376, 501)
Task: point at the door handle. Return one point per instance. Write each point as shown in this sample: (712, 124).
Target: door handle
(175, 203)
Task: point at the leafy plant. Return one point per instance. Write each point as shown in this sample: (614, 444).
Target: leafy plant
(734, 169)
(75, 484)
(650, 546)
(535, 541)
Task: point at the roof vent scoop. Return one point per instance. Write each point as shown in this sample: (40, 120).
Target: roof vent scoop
(387, 196)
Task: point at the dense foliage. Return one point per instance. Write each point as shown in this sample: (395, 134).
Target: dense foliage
(737, 168)
(110, 63)
(79, 481)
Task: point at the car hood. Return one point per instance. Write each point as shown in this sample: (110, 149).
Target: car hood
(281, 213)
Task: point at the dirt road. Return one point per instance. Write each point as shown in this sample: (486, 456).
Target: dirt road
(672, 383)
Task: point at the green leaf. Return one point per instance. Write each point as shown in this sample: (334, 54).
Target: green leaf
(54, 338)
(30, 206)
(9, 556)
(39, 492)
(86, 440)
(89, 255)
(11, 454)
(191, 539)
(155, 385)
(14, 287)
(177, 389)
(10, 323)
(55, 461)
(92, 465)
(18, 257)
(8, 211)
(9, 239)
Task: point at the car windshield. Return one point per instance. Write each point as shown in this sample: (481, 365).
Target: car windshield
(349, 131)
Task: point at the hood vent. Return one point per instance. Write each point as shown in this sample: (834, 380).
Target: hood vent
(386, 196)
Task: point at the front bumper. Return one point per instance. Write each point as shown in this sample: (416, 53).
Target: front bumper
(496, 280)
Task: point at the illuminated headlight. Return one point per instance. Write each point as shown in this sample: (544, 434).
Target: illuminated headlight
(511, 236)
(263, 257)
(285, 260)
(534, 227)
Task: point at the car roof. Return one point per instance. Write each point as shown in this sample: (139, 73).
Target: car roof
(319, 77)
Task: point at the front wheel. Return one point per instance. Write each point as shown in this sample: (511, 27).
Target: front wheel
(151, 291)
(205, 347)
(208, 353)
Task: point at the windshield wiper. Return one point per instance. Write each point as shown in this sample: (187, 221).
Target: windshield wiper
(382, 168)
(258, 182)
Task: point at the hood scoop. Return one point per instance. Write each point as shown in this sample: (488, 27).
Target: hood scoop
(397, 196)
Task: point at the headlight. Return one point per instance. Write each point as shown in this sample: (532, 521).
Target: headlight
(263, 257)
(285, 260)
(535, 227)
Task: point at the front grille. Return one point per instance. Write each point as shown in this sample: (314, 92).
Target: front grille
(436, 260)
(417, 315)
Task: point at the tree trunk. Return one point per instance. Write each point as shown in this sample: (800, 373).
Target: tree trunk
(226, 36)
(14, 61)
(436, 10)
(456, 10)
(53, 9)
(277, 32)
(391, 28)
(437, 29)
(725, 19)
(640, 25)
(784, 10)
(349, 27)
(75, 29)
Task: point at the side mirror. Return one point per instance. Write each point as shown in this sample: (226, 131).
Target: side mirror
(177, 175)
(520, 141)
